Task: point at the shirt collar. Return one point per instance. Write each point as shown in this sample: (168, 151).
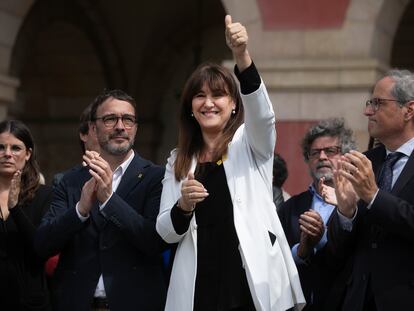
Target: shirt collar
(312, 190)
(124, 165)
(406, 148)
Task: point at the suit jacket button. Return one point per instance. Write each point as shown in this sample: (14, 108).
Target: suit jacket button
(374, 245)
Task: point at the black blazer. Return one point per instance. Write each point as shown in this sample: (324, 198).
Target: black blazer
(22, 278)
(120, 242)
(321, 275)
(380, 247)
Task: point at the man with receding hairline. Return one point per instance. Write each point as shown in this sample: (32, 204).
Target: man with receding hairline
(373, 227)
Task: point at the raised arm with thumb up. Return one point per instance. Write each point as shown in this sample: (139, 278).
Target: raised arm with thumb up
(236, 39)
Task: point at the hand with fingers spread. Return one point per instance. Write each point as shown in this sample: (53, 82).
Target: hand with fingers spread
(14, 189)
(345, 193)
(312, 229)
(192, 192)
(101, 172)
(357, 168)
(236, 39)
(327, 192)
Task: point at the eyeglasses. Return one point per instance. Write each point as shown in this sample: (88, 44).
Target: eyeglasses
(329, 151)
(111, 120)
(374, 103)
(14, 149)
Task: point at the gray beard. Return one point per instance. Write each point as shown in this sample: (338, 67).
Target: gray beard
(117, 150)
(328, 177)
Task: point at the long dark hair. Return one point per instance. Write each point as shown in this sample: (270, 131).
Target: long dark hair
(190, 140)
(30, 179)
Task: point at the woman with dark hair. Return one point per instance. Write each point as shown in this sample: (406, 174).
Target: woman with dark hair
(217, 195)
(23, 202)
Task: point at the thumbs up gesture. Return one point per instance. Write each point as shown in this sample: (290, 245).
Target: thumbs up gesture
(192, 192)
(236, 40)
(236, 36)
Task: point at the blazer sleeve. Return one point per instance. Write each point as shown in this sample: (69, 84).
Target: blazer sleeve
(170, 195)
(394, 214)
(59, 224)
(340, 242)
(260, 123)
(139, 228)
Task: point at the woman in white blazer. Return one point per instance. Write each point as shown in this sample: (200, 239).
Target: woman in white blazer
(217, 195)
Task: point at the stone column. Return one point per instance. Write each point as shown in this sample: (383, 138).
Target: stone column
(314, 89)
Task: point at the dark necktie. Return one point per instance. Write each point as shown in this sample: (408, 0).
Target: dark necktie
(385, 179)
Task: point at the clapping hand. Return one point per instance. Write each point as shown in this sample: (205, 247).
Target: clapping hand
(327, 193)
(345, 192)
(14, 189)
(101, 172)
(357, 168)
(88, 197)
(312, 229)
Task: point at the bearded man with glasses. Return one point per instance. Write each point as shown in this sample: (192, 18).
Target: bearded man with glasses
(373, 228)
(102, 220)
(304, 217)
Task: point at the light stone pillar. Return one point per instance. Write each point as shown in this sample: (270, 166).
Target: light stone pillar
(311, 90)
(314, 89)
(12, 13)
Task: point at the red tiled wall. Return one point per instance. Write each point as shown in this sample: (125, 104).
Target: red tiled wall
(288, 145)
(302, 14)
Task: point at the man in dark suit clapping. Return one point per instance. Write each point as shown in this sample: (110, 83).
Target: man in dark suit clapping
(102, 220)
(376, 233)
